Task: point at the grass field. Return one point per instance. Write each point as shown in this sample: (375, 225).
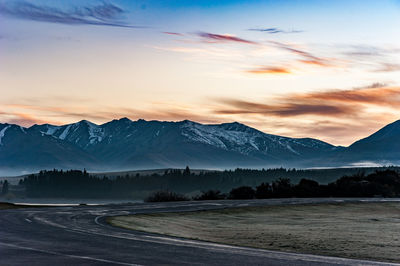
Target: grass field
(353, 230)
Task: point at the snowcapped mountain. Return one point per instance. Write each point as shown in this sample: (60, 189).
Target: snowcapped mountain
(83, 133)
(24, 148)
(125, 144)
(249, 141)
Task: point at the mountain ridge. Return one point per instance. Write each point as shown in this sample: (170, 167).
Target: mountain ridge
(125, 144)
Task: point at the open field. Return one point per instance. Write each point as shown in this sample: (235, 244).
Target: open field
(353, 230)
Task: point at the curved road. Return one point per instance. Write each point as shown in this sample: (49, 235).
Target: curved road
(79, 235)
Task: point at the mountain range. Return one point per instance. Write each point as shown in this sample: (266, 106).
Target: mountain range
(125, 144)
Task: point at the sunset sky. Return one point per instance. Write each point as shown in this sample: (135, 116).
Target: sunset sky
(323, 69)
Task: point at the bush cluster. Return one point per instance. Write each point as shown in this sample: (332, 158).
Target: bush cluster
(165, 196)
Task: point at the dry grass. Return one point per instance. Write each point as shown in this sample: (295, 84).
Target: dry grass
(357, 230)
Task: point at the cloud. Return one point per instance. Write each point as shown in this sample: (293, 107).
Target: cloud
(322, 63)
(373, 58)
(283, 109)
(275, 30)
(24, 119)
(269, 70)
(348, 103)
(173, 33)
(28, 114)
(339, 132)
(370, 95)
(369, 51)
(308, 58)
(388, 67)
(105, 14)
(336, 116)
(364, 51)
(217, 38)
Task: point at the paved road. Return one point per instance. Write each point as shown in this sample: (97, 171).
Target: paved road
(79, 235)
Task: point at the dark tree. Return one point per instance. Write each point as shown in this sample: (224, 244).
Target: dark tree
(4, 190)
(210, 195)
(264, 191)
(307, 188)
(164, 196)
(243, 192)
(186, 172)
(282, 188)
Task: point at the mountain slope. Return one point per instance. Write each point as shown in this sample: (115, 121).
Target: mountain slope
(147, 144)
(26, 149)
(125, 144)
(382, 147)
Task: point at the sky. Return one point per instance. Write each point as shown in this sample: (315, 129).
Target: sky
(323, 69)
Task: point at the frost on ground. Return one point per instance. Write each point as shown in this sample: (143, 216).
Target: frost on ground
(353, 230)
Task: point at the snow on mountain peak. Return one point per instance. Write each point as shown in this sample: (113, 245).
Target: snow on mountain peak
(65, 132)
(96, 133)
(74, 132)
(244, 139)
(3, 132)
(225, 136)
(51, 129)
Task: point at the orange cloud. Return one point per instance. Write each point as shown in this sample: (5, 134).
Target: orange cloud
(335, 116)
(284, 109)
(19, 114)
(326, 103)
(321, 63)
(270, 70)
(24, 119)
(369, 95)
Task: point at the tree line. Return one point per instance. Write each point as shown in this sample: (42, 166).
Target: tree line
(384, 183)
(80, 184)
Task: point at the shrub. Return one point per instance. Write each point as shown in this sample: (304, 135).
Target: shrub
(282, 188)
(210, 195)
(307, 188)
(263, 191)
(243, 192)
(164, 196)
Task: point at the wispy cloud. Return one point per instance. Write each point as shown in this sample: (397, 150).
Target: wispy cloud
(326, 103)
(172, 33)
(336, 116)
(371, 95)
(284, 109)
(274, 30)
(105, 14)
(217, 38)
(307, 57)
(24, 119)
(29, 114)
(374, 59)
(388, 67)
(364, 51)
(269, 70)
